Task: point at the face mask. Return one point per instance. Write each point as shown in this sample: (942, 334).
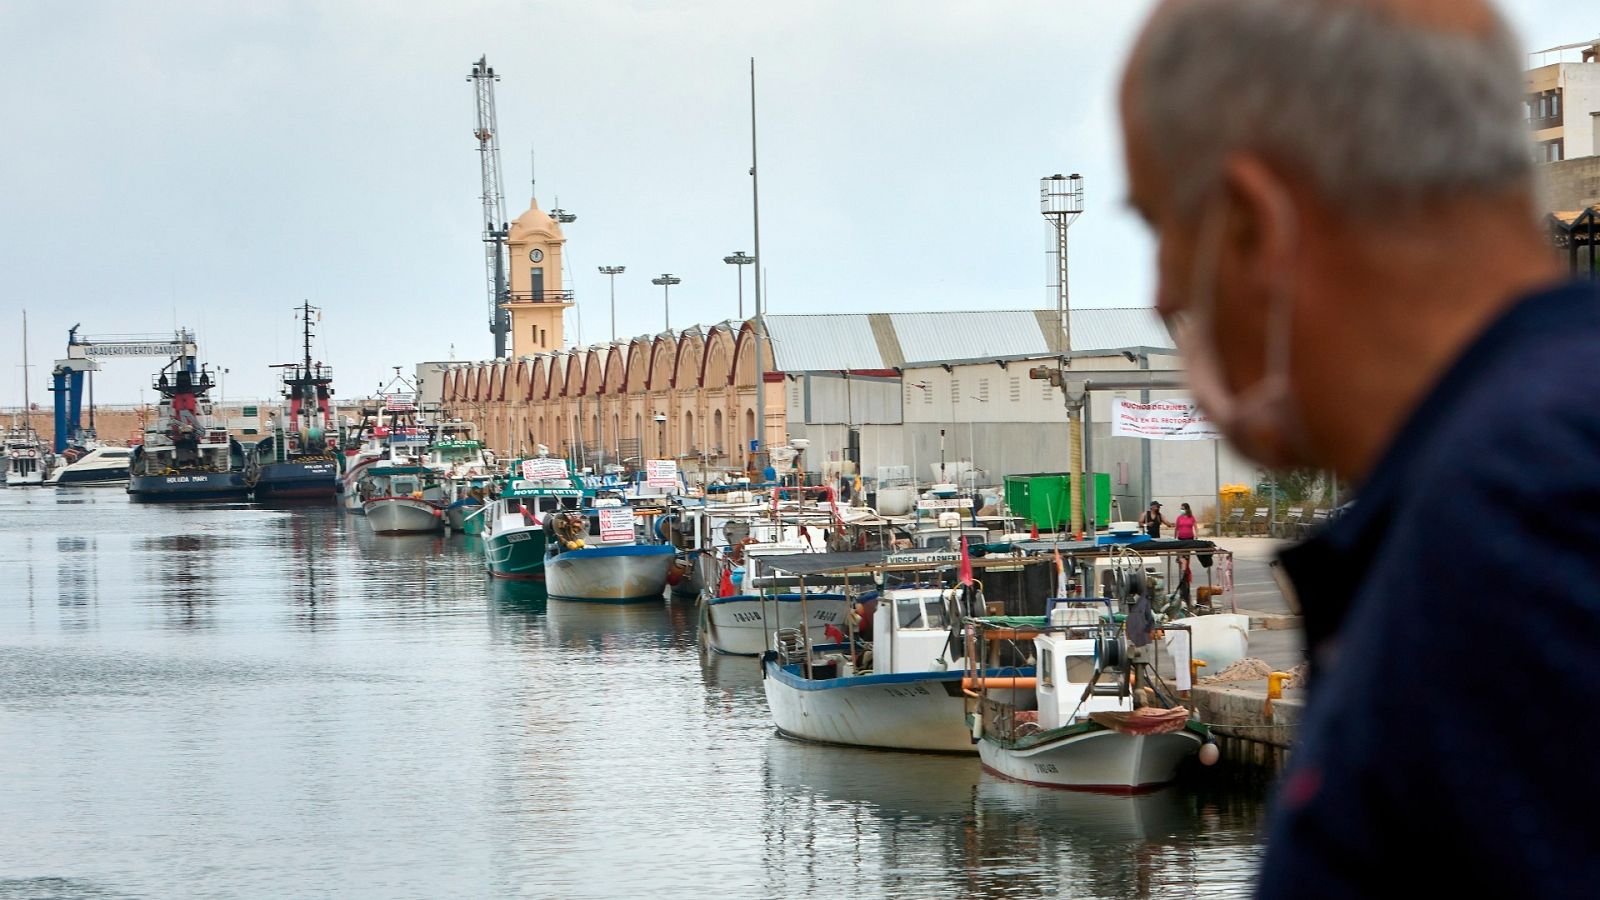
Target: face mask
(1261, 421)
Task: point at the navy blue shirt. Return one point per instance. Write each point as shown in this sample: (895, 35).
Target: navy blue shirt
(1453, 617)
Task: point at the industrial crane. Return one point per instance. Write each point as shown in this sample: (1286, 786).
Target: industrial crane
(494, 202)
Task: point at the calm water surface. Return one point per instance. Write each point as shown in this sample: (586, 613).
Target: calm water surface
(231, 701)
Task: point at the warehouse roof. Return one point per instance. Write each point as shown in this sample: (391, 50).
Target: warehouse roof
(835, 341)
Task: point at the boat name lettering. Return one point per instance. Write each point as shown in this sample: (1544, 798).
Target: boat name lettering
(937, 556)
(517, 536)
(826, 615)
(945, 503)
(746, 617)
(1046, 768)
(177, 479)
(908, 690)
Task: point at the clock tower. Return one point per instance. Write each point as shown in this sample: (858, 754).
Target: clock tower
(537, 300)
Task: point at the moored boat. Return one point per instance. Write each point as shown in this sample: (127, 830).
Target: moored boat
(513, 531)
(100, 465)
(185, 455)
(593, 555)
(896, 685)
(1100, 720)
(27, 461)
(298, 460)
(402, 499)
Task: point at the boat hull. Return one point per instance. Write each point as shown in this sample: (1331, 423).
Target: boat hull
(28, 479)
(635, 573)
(457, 516)
(516, 553)
(189, 487)
(108, 476)
(924, 711)
(403, 515)
(701, 570)
(297, 480)
(735, 625)
(1100, 760)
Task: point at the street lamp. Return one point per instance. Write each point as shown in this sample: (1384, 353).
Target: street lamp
(661, 434)
(741, 260)
(613, 271)
(562, 216)
(667, 280)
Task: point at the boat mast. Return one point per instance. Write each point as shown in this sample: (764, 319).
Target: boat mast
(27, 407)
(760, 329)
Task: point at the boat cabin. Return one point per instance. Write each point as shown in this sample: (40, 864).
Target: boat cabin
(911, 629)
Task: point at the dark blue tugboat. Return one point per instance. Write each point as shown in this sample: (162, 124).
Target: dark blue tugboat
(298, 460)
(185, 456)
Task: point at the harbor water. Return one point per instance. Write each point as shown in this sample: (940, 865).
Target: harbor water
(232, 701)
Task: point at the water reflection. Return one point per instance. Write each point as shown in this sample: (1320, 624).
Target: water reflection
(217, 690)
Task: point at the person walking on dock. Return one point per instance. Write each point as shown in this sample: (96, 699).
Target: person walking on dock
(1185, 529)
(1349, 260)
(1152, 520)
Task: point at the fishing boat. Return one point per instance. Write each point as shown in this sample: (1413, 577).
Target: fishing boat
(513, 531)
(28, 463)
(402, 499)
(185, 455)
(467, 470)
(1100, 719)
(899, 682)
(593, 554)
(389, 429)
(298, 458)
(98, 465)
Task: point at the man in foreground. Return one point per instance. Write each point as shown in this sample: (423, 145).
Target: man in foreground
(1342, 191)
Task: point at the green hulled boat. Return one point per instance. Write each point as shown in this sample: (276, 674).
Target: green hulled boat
(513, 523)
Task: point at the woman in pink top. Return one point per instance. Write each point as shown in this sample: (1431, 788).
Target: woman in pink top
(1185, 527)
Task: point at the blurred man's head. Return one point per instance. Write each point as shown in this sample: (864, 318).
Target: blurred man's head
(1318, 174)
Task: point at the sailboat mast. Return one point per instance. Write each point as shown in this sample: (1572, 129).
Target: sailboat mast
(27, 405)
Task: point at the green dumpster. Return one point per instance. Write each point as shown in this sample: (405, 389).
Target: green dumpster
(1041, 498)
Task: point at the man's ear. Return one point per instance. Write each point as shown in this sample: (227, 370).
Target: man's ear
(1263, 232)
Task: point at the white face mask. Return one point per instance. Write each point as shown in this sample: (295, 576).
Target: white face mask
(1261, 421)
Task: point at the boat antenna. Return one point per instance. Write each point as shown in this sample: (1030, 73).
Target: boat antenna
(27, 407)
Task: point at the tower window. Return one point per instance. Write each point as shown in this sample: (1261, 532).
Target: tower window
(536, 284)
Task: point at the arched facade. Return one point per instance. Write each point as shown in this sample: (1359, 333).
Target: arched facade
(688, 396)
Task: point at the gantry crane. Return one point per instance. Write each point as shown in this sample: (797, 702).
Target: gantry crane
(494, 202)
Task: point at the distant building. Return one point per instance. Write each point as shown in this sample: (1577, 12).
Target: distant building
(878, 391)
(1563, 102)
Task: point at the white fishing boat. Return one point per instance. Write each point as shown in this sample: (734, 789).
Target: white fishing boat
(101, 465)
(899, 685)
(389, 429)
(593, 554)
(467, 471)
(1100, 722)
(403, 499)
(28, 463)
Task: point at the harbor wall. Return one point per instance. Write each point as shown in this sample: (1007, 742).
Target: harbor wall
(123, 423)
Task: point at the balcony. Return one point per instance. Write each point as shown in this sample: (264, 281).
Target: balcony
(545, 296)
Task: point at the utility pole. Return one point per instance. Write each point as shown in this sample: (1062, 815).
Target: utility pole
(667, 280)
(1061, 202)
(739, 260)
(613, 271)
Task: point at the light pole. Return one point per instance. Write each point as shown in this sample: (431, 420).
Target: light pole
(661, 434)
(613, 271)
(740, 260)
(667, 280)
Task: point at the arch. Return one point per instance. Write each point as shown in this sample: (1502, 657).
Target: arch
(744, 357)
(717, 439)
(638, 432)
(716, 362)
(636, 377)
(749, 427)
(687, 359)
(573, 385)
(594, 361)
(663, 353)
(615, 372)
(539, 380)
(689, 445)
(519, 380)
(497, 382)
(539, 436)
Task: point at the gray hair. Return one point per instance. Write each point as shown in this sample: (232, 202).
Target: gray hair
(1378, 113)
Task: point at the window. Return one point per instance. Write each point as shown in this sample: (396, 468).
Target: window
(1047, 669)
(536, 283)
(909, 613)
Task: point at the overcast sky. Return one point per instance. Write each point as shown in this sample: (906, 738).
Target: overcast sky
(212, 165)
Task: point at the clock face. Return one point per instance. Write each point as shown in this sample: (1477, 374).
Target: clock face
(536, 255)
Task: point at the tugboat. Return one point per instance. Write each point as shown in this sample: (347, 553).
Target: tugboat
(185, 456)
(297, 460)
